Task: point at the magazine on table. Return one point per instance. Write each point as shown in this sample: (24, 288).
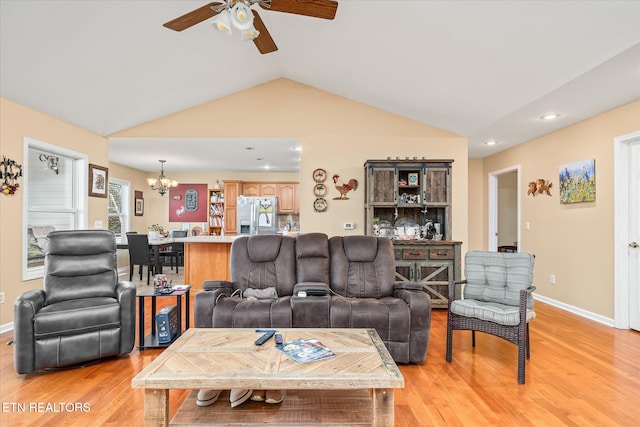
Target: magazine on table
(304, 351)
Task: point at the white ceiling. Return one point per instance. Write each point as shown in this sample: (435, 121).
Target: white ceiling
(480, 69)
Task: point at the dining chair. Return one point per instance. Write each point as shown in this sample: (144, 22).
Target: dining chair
(140, 254)
(176, 250)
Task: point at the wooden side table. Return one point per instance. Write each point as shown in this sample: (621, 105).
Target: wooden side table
(151, 340)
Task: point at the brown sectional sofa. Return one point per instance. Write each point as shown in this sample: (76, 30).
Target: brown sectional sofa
(356, 274)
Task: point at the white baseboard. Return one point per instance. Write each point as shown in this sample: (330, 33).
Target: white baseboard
(575, 310)
(7, 327)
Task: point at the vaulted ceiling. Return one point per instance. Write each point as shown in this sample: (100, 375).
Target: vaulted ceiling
(480, 69)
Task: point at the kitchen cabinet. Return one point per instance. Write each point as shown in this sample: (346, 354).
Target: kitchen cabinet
(232, 189)
(286, 192)
(250, 189)
(432, 263)
(288, 199)
(259, 189)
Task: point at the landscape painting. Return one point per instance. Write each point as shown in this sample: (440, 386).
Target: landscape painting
(578, 182)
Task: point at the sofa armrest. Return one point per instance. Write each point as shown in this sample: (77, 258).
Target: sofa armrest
(126, 292)
(204, 303)
(24, 311)
(419, 303)
(309, 287)
(210, 285)
(409, 286)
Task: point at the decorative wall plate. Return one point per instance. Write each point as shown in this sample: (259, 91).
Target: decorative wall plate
(320, 205)
(319, 175)
(319, 190)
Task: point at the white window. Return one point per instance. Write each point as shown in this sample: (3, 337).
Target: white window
(54, 198)
(119, 207)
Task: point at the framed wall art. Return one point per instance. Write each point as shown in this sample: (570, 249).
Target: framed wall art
(139, 207)
(578, 182)
(138, 203)
(98, 179)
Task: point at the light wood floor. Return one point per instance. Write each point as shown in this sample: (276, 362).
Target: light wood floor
(581, 373)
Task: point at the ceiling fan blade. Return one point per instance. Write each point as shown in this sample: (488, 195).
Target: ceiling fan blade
(192, 18)
(263, 42)
(325, 9)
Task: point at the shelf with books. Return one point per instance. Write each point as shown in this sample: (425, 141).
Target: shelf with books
(216, 211)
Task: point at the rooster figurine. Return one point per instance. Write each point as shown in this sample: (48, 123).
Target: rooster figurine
(344, 188)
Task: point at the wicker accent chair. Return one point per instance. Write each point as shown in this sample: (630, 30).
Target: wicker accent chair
(497, 300)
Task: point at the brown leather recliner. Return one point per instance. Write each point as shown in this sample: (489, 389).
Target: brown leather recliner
(356, 274)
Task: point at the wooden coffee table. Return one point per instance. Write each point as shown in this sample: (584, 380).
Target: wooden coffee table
(354, 388)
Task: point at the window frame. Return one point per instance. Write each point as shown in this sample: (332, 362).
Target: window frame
(126, 205)
(80, 196)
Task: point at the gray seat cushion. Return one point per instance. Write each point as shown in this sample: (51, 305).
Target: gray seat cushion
(389, 316)
(77, 316)
(491, 311)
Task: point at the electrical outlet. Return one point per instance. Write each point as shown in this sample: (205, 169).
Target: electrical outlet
(1, 297)
(552, 279)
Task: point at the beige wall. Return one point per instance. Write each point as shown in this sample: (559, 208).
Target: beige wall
(477, 205)
(335, 133)
(573, 242)
(17, 122)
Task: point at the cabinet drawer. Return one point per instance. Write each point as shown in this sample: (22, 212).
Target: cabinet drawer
(417, 253)
(441, 253)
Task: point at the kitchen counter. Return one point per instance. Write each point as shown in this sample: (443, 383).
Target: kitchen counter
(206, 258)
(205, 239)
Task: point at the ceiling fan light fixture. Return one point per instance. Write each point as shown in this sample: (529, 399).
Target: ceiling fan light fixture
(222, 22)
(249, 34)
(241, 16)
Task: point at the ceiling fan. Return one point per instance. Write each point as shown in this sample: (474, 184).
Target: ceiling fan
(236, 13)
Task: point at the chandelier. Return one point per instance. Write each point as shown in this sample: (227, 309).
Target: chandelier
(165, 183)
(237, 14)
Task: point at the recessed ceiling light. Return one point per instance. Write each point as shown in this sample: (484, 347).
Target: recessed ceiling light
(491, 142)
(550, 116)
(295, 148)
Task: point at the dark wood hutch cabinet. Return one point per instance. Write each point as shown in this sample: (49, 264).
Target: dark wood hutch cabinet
(418, 190)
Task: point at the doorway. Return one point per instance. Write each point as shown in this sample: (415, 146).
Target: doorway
(504, 208)
(627, 231)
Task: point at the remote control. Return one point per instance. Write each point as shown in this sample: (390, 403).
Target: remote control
(265, 337)
(278, 339)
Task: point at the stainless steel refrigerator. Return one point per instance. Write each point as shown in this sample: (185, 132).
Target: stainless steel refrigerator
(257, 215)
